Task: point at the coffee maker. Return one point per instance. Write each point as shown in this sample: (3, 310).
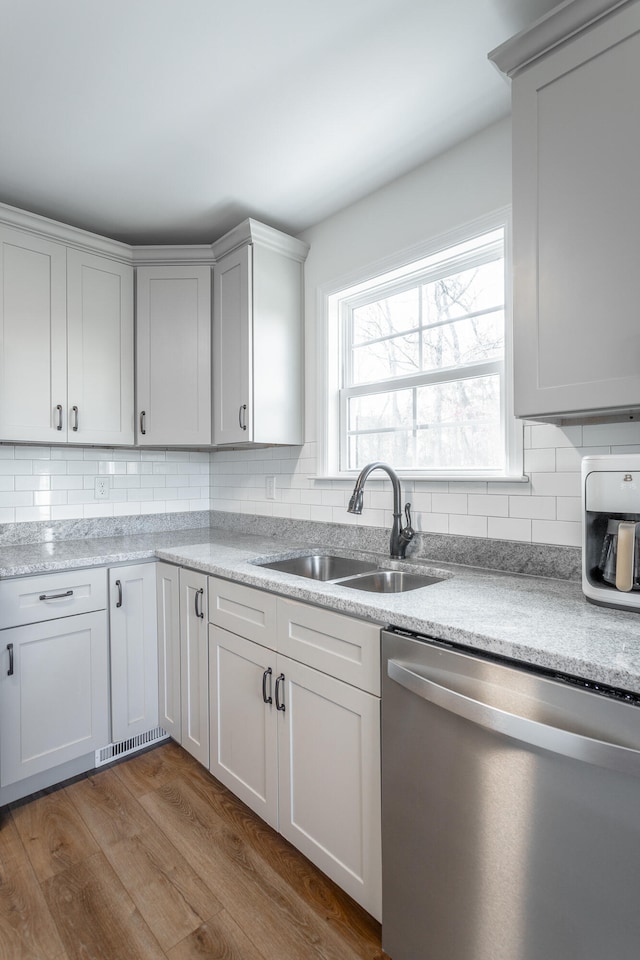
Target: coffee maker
(611, 530)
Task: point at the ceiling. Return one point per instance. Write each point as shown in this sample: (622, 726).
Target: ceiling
(155, 121)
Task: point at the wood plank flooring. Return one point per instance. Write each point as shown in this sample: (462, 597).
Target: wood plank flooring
(153, 859)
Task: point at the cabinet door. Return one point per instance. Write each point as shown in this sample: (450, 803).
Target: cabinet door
(53, 694)
(100, 349)
(576, 209)
(169, 696)
(244, 750)
(194, 664)
(33, 338)
(134, 650)
(329, 778)
(173, 357)
(232, 347)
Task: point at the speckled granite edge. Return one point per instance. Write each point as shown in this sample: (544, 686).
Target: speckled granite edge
(48, 531)
(533, 559)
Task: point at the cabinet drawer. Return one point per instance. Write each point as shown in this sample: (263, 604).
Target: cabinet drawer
(346, 648)
(52, 595)
(244, 611)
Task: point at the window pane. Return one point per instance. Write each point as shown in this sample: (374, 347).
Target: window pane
(463, 341)
(458, 425)
(387, 358)
(395, 314)
(446, 426)
(480, 288)
(393, 410)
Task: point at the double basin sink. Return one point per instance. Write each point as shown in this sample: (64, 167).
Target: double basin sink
(349, 572)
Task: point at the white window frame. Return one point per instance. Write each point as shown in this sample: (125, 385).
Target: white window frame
(391, 275)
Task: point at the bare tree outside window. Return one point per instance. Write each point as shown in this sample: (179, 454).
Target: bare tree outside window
(423, 366)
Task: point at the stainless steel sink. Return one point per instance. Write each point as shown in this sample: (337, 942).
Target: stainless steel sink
(389, 581)
(316, 566)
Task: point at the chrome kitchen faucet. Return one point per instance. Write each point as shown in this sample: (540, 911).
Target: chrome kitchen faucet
(400, 536)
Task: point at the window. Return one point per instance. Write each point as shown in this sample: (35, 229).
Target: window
(421, 364)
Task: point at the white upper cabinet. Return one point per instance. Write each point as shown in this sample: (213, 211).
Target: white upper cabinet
(258, 337)
(33, 338)
(173, 355)
(576, 210)
(66, 343)
(99, 350)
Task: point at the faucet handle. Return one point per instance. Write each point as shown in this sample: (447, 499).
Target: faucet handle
(407, 533)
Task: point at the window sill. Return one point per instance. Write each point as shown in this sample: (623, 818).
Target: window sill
(426, 477)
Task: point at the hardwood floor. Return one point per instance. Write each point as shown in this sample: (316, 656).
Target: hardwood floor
(153, 859)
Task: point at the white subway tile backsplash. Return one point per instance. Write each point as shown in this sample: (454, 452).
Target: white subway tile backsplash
(556, 484)
(533, 508)
(612, 434)
(468, 526)
(569, 508)
(508, 528)
(550, 435)
(449, 503)
(488, 505)
(557, 532)
(542, 460)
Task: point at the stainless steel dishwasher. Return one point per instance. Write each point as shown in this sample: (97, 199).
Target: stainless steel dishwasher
(510, 809)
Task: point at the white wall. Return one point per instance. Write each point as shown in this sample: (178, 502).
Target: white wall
(469, 181)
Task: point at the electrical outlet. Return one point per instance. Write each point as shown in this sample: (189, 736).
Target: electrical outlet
(270, 483)
(101, 488)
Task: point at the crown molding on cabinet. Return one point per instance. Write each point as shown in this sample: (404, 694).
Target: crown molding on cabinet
(71, 236)
(564, 21)
(251, 231)
(248, 231)
(165, 255)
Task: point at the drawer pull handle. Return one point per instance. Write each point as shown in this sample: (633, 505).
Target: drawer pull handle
(143, 429)
(59, 412)
(75, 418)
(279, 703)
(119, 586)
(242, 416)
(56, 596)
(199, 610)
(268, 673)
(10, 649)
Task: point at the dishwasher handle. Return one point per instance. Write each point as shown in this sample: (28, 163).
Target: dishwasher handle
(601, 753)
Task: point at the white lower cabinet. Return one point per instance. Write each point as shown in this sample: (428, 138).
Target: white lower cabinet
(183, 670)
(54, 672)
(243, 723)
(329, 778)
(299, 746)
(134, 650)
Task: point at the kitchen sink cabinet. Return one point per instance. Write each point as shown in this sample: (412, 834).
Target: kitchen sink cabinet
(576, 209)
(134, 650)
(183, 658)
(66, 343)
(299, 745)
(173, 355)
(258, 335)
(54, 672)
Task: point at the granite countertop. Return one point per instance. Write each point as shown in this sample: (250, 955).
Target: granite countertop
(537, 620)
